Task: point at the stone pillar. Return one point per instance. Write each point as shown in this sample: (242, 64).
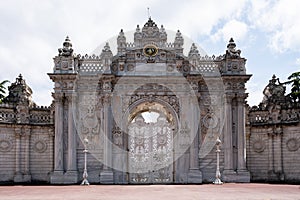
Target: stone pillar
(27, 176)
(241, 166)
(57, 176)
(194, 174)
(228, 150)
(270, 152)
(71, 175)
(278, 168)
(241, 135)
(18, 174)
(106, 176)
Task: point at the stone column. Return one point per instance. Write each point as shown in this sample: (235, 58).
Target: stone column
(278, 153)
(18, 174)
(72, 173)
(241, 135)
(27, 176)
(270, 152)
(244, 175)
(228, 150)
(106, 176)
(57, 176)
(194, 174)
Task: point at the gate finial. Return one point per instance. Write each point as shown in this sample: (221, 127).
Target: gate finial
(148, 10)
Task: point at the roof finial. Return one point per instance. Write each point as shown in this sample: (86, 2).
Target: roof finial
(148, 13)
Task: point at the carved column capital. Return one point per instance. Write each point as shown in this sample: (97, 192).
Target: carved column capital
(228, 98)
(18, 133)
(241, 98)
(58, 97)
(27, 132)
(51, 132)
(106, 98)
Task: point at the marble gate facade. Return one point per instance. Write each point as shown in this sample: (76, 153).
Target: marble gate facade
(104, 98)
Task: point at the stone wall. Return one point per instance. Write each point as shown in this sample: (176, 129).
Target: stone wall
(26, 150)
(273, 137)
(26, 137)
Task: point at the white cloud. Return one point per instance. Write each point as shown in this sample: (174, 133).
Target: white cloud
(236, 29)
(280, 19)
(31, 31)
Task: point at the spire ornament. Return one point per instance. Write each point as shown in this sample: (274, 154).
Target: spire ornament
(67, 48)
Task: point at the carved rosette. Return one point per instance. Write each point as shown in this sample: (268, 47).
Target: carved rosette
(258, 144)
(40, 146)
(292, 142)
(6, 143)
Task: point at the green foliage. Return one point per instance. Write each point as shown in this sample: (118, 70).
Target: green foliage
(294, 80)
(2, 89)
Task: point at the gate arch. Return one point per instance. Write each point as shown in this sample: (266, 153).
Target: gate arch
(150, 145)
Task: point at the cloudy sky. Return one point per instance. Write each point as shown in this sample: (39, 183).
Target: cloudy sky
(31, 31)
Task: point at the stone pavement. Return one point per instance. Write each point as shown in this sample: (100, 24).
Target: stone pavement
(228, 191)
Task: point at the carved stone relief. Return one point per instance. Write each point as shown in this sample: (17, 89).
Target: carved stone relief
(40, 143)
(292, 144)
(258, 144)
(6, 145)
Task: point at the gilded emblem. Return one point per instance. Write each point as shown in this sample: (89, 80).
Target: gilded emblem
(150, 50)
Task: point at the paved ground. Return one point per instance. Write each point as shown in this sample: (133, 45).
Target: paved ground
(154, 192)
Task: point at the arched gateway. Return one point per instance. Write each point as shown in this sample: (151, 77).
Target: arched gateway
(151, 113)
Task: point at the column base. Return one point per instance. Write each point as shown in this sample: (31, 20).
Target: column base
(107, 177)
(194, 176)
(239, 176)
(22, 178)
(59, 177)
(71, 177)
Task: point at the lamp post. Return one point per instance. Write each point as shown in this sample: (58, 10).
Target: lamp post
(218, 174)
(85, 174)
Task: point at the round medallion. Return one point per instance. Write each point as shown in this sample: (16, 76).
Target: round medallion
(162, 140)
(210, 121)
(170, 68)
(258, 146)
(292, 144)
(130, 67)
(40, 146)
(5, 145)
(150, 50)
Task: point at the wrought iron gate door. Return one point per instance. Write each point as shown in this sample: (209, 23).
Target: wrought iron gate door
(150, 156)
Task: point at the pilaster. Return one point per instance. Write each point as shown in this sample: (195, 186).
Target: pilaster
(194, 174)
(228, 150)
(241, 168)
(106, 176)
(18, 174)
(71, 176)
(27, 175)
(57, 176)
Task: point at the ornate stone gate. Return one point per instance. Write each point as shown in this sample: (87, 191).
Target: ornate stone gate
(198, 97)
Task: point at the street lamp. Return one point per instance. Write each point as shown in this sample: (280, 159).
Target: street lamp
(218, 174)
(85, 174)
